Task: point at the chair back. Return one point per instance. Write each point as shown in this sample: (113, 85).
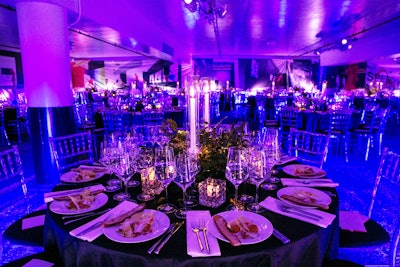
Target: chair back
(84, 117)
(5, 142)
(72, 150)
(389, 169)
(339, 122)
(11, 168)
(310, 148)
(153, 117)
(288, 116)
(113, 121)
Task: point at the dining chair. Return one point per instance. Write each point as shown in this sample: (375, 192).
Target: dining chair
(14, 234)
(372, 128)
(153, 117)
(84, 117)
(310, 148)
(5, 142)
(113, 121)
(287, 121)
(376, 234)
(339, 129)
(19, 124)
(72, 150)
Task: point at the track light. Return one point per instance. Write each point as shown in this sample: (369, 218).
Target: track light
(344, 41)
(188, 2)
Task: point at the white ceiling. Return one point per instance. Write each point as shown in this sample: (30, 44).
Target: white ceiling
(250, 28)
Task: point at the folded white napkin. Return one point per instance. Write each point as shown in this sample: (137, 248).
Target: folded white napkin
(352, 221)
(124, 206)
(94, 168)
(38, 262)
(50, 196)
(32, 222)
(285, 159)
(193, 248)
(272, 204)
(308, 182)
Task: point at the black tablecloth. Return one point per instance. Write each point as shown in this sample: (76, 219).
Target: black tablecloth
(309, 244)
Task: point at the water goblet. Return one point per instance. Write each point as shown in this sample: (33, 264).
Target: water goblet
(187, 167)
(236, 171)
(124, 170)
(188, 162)
(259, 172)
(165, 172)
(107, 158)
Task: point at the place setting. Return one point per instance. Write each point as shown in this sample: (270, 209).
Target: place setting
(83, 174)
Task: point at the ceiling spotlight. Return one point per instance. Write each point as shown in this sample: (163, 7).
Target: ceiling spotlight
(349, 46)
(344, 41)
(317, 52)
(188, 1)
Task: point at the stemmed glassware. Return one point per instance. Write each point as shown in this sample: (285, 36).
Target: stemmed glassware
(165, 172)
(259, 172)
(270, 145)
(124, 170)
(236, 171)
(187, 167)
(108, 156)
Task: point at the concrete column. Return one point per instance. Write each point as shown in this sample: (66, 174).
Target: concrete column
(43, 32)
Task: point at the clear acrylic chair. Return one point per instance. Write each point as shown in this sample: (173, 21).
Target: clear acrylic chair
(338, 129)
(113, 121)
(153, 117)
(19, 124)
(309, 148)
(389, 170)
(287, 121)
(5, 142)
(372, 128)
(14, 234)
(70, 151)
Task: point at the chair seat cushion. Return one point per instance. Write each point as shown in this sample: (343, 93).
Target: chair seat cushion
(375, 235)
(29, 237)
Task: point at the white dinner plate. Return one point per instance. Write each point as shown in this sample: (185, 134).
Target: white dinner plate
(60, 207)
(70, 177)
(304, 192)
(291, 170)
(264, 225)
(160, 225)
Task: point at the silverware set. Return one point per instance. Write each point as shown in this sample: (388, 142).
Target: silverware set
(200, 226)
(299, 212)
(78, 217)
(173, 228)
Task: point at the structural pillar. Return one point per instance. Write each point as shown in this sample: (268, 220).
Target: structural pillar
(43, 33)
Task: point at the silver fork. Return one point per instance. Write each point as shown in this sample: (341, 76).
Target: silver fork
(196, 229)
(203, 228)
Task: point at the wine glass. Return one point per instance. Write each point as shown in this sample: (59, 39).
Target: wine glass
(236, 171)
(187, 168)
(271, 160)
(259, 172)
(165, 172)
(124, 170)
(108, 155)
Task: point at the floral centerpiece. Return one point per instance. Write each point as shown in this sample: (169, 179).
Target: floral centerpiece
(214, 144)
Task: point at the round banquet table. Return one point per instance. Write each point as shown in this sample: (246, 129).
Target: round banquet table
(310, 245)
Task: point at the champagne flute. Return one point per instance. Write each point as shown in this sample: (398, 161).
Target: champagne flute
(187, 167)
(124, 170)
(165, 172)
(258, 174)
(236, 171)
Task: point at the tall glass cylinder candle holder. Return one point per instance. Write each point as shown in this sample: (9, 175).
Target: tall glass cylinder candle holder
(206, 101)
(212, 192)
(192, 93)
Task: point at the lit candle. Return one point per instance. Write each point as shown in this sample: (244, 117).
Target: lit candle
(206, 108)
(212, 190)
(192, 118)
(227, 84)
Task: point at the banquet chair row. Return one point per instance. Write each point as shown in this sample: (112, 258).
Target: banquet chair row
(376, 234)
(20, 124)
(287, 121)
(14, 234)
(3, 133)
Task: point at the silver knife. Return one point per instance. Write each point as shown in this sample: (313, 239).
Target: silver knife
(94, 226)
(302, 211)
(280, 236)
(178, 226)
(170, 229)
